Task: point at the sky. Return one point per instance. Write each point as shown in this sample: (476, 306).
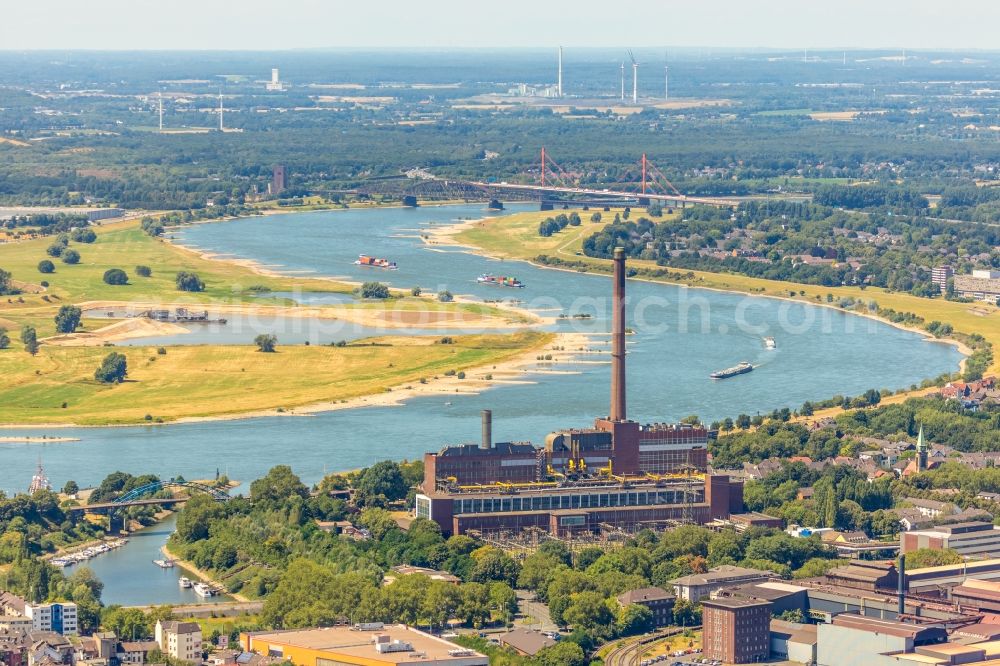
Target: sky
(292, 24)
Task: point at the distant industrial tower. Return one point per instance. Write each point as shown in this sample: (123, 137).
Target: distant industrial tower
(275, 82)
(277, 179)
(161, 110)
(666, 79)
(559, 92)
(623, 81)
(222, 127)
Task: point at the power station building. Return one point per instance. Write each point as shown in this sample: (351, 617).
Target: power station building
(619, 474)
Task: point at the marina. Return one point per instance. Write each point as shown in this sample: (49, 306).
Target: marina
(86, 554)
(130, 578)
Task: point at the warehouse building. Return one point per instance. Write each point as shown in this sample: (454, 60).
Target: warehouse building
(855, 639)
(372, 644)
(970, 539)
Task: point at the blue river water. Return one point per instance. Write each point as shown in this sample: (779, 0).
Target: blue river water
(681, 335)
(131, 579)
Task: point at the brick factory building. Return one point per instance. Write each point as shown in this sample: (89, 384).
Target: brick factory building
(619, 474)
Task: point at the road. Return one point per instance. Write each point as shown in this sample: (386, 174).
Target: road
(537, 610)
(220, 609)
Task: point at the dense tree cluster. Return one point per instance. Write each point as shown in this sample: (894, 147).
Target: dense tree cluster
(769, 239)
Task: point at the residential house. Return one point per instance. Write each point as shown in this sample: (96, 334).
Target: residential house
(48, 648)
(659, 602)
(179, 640)
(136, 652)
(13, 647)
(932, 508)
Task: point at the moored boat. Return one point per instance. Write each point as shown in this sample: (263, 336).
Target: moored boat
(164, 564)
(738, 369)
(184, 582)
(375, 262)
(203, 590)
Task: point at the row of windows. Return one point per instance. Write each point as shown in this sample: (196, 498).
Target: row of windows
(574, 501)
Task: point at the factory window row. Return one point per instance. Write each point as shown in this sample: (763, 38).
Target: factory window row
(575, 501)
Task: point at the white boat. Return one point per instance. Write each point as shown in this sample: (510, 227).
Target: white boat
(164, 564)
(769, 343)
(184, 582)
(203, 590)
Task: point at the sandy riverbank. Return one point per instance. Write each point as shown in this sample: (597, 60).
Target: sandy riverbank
(128, 329)
(387, 317)
(37, 440)
(563, 348)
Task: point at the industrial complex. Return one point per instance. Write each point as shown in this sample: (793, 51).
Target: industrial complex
(619, 475)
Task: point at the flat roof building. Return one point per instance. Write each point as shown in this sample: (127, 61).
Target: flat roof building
(981, 286)
(736, 631)
(854, 639)
(373, 644)
(793, 641)
(970, 539)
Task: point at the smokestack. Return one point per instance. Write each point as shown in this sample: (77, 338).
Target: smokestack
(901, 585)
(618, 339)
(487, 442)
(559, 88)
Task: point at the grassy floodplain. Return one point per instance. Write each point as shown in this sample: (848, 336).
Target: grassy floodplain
(219, 381)
(211, 380)
(516, 237)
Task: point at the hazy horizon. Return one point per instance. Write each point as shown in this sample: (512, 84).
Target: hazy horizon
(259, 25)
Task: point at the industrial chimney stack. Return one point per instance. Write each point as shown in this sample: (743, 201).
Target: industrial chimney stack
(487, 443)
(618, 339)
(901, 586)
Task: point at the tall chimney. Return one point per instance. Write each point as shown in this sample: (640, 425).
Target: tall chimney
(559, 85)
(901, 585)
(618, 339)
(487, 442)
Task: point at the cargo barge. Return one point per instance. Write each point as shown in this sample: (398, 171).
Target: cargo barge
(500, 281)
(738, 369)
(375, 262)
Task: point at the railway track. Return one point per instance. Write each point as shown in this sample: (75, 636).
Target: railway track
(628, 652)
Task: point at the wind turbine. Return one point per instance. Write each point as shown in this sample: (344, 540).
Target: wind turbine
(635, 78)
(623, 81)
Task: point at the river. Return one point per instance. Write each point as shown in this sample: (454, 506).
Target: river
(681, 335)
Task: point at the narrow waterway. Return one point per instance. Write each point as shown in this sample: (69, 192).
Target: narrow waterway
(130, 577)
(681, 335)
